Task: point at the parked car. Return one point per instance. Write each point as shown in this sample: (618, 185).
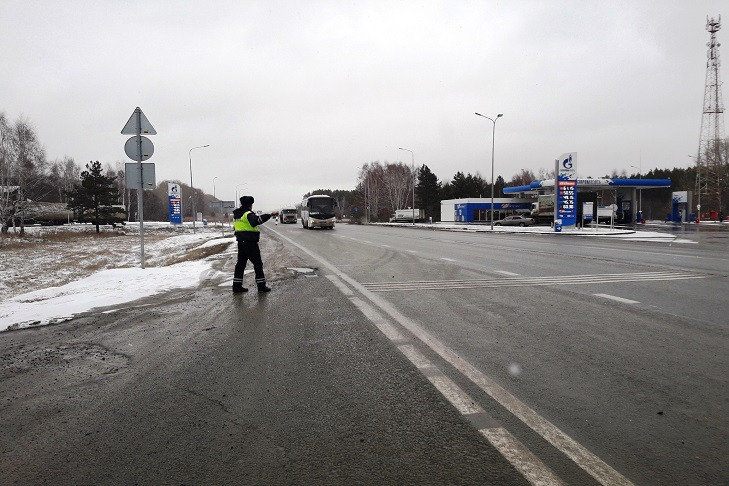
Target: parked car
(514, 220)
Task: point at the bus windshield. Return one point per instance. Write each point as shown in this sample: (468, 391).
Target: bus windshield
(321, 208)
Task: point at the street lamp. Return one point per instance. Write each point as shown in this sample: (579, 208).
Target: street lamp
(412, 156)
(214, 187)
(698, 186)
(640, 191)
(194, 214)
(236, 191)
(493, 143)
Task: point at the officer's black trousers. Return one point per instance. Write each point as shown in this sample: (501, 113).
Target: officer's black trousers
(248, 250)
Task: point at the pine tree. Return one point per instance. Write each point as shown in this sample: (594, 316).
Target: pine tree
(427, 192)
(94, 198)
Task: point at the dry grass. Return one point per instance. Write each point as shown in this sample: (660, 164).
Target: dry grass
(11, 240)
(199, 253)
(46, 257)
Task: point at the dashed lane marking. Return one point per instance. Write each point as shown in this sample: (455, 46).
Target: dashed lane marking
(617, 299)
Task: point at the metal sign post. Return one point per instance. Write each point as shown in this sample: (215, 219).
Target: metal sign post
(136, 125)
(224, 206)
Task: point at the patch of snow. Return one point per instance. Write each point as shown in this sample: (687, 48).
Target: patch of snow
(102, 289)
(300, 270)
(71, 270)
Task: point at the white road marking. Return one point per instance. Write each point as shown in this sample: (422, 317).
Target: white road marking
(342, 288)
(378, 320)
(508, 274)
(520, 457)
(617, 299)
(529, 465)
(585, 459)
(448, 259)
(530, 281)
(454, 394)
(414, 356)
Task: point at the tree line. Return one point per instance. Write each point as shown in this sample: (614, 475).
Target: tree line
(27, 175)
(382, 188)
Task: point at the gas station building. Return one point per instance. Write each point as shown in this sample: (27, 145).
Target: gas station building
(626, 197)
(626, 192)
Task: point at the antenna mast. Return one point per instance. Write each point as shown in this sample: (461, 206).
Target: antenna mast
(710, 163)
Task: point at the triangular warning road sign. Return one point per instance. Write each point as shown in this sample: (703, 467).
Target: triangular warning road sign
(138, 125)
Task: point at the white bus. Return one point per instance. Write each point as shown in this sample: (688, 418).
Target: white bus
(317, 211)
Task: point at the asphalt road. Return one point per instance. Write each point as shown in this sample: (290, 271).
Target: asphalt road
(617, 346)
(406, 356)
(207, 387)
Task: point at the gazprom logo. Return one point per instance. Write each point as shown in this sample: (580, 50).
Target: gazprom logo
(567, 163)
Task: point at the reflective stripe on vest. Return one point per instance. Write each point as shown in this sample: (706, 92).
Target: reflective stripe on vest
(242, 224)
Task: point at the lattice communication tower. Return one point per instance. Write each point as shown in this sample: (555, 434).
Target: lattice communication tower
(710, 161)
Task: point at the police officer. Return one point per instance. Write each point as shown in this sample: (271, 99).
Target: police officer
(245, 223)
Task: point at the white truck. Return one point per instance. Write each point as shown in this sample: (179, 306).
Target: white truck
(543, 209)
(287, 215)
(404, 215)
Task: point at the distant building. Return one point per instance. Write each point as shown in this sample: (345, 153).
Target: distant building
(478, 209)
(626, 192)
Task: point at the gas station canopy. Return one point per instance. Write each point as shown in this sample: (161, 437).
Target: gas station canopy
(539, 187)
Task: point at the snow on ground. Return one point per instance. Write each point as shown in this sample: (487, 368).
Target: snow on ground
(601, 231)
(53, 273)
(71, 269)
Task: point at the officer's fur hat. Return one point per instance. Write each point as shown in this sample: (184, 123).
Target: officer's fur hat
(246, 201)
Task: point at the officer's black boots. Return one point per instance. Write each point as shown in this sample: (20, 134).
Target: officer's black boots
(262, 287)
(238, 288)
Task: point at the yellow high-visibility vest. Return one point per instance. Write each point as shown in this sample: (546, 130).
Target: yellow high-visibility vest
(242, 224)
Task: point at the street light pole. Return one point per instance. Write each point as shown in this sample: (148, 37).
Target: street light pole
(412, 157)
(493, 145)
(640, 191)
(214, 187)
(236, 191)
(698, 186)
(194, 214)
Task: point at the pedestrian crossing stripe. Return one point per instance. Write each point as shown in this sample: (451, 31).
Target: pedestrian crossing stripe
(530, 281)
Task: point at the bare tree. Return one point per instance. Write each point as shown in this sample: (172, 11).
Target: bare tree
(71, 173)
(7, 189)
(62, 175)
(523, 178)
(30, 164)
(397, 182)
(121, 183)
(544, 174)
(22, 170)
(369, 185)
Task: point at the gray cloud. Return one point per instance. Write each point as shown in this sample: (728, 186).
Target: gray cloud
(294, 96)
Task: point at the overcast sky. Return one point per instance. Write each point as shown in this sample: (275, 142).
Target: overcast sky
(297, 95)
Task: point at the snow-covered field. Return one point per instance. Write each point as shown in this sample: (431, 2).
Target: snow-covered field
(52, 273)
